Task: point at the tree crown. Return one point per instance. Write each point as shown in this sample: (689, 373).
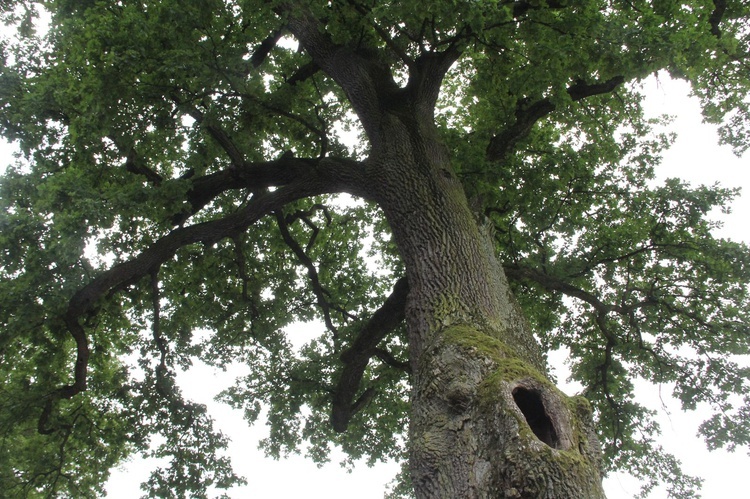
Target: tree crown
(176, 176)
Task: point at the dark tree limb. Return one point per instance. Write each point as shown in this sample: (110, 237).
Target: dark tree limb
(283, 171)
(265, 47)
(527, 114)
(551, 283)
(426, 77)
(359, 76)
(159, 341)
(365, 12)
(133, 162)
(720, 6)
(387, 358)
(321, 294)
(220, 136)
(362, 349)
(520, 8)
(366, 80)
(329, 176)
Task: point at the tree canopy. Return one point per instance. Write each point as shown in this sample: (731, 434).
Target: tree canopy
(189, 184)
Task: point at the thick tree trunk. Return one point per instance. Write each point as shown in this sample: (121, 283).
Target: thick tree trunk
(486, 421)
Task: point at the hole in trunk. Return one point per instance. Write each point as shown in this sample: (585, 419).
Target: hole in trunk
(532, 408)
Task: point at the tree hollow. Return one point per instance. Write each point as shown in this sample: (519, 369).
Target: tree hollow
(532, 407)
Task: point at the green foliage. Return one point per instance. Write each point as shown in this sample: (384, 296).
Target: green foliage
(120, 111)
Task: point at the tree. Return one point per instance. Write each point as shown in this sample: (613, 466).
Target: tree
(177, 197)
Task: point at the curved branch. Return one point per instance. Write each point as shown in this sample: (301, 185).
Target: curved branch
(527, 114)
(312, 273)
(552, 283)
(367, 81)
(328, 177)
(278, 173)
(364, 347)
(361, 78)
(220, 136)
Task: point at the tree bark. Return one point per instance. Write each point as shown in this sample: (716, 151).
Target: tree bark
(486, 421)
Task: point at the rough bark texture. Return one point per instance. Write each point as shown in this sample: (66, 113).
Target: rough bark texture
(486, 424)
(485, 420)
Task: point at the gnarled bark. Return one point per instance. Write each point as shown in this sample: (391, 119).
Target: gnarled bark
(485, 420)
(486, 424)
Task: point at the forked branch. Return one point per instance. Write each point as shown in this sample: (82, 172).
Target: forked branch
(527, 114)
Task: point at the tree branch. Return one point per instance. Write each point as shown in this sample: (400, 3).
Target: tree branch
(720, 6)
(361, 78)
(220, 136)
(328, 177)
(265, 47)
(364, 347)
(552, 283)
(287, 170)
(426, 77)
(320, 292)
(528, 114)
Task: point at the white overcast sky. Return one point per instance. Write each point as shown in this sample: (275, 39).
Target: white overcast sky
(695, 157)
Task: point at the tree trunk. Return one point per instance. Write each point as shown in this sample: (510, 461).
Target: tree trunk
(486, 421)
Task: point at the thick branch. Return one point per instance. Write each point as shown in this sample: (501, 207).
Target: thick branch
(133, 163)
(720, 6)
(528, 114)
(278, 173)
(426, 78)
(327, 178)
(520, 8)
(358, 355)
(265, 47)
(361, 78)
(303, 73)
(368, 81)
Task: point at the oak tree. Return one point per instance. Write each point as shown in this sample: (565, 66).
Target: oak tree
(450, 189)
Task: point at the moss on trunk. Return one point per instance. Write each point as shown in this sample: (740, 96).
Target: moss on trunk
(489, 424)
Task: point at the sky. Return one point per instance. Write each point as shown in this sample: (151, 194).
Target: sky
(695, 157)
